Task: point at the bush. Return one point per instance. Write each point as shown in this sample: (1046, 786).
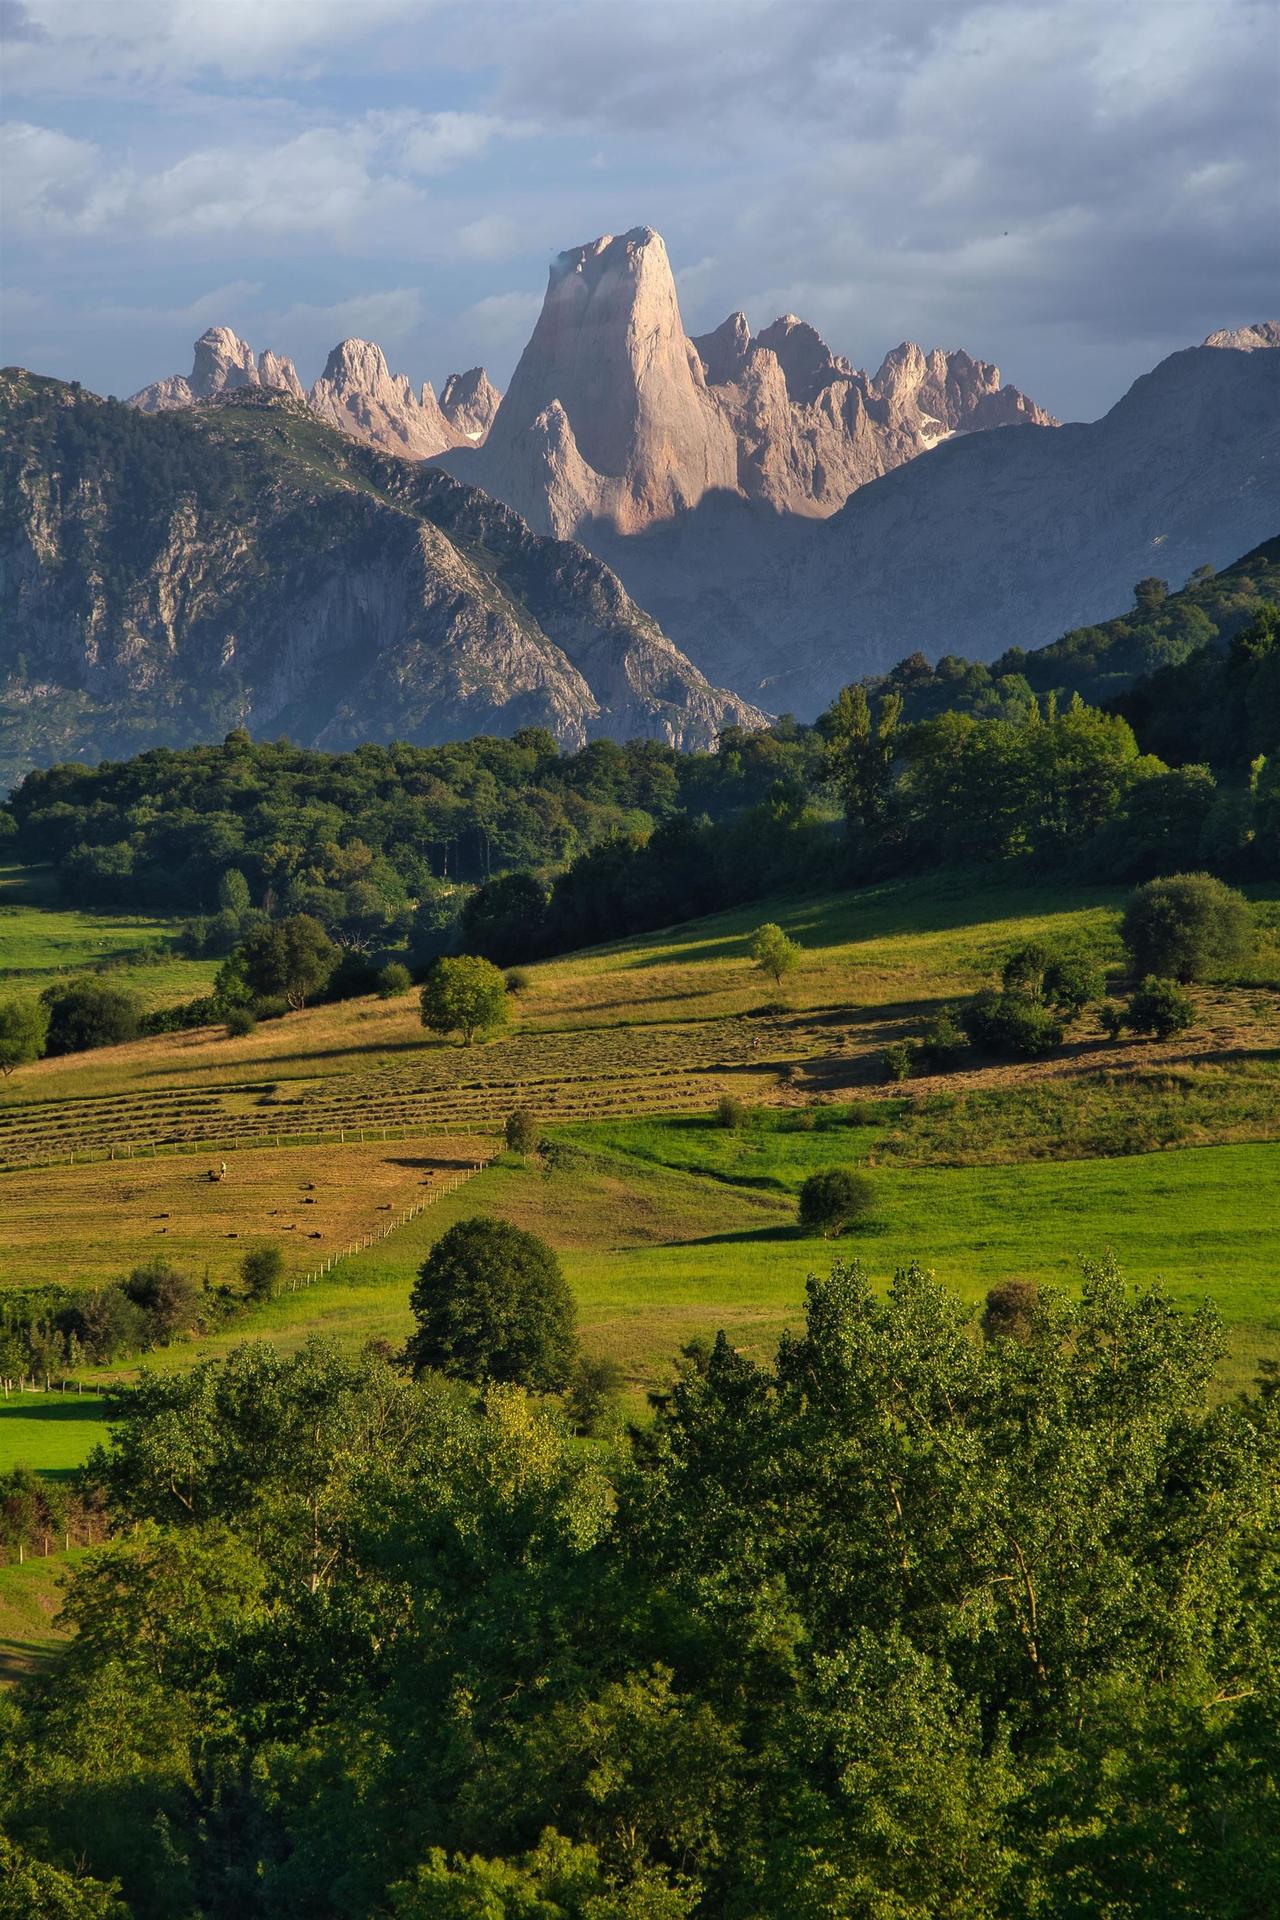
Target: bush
(521, 1131)
(593, 1392)
(1159, 1008)
(836, 1199)
(1186, 927)
(1010, 1310)
(492, 1304)
(24, 1027)
(1111, 1018)
(1072, 982)
(1007, 1024)
(272, 1006)
(261, 1272)
(944, 1041)
(730, 1111)
(393, 981)
(899, 1059)
(84, 1014)
(167, 1299)
(466, 995)
(517, 979)
(241, 1021)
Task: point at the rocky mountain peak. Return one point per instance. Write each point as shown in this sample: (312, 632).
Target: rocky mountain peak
(1261, 335)
(610, 348)
(274, 370)
(469, 402)
(359, 394)
(804, 356)
(723, 353)
(221, 359)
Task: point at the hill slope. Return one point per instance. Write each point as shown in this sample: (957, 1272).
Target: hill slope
(993, 540)
(171, 575)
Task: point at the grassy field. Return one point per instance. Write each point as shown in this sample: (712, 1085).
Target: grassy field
(43, 940)
(310, 1201)
(668, 1225)
(30, 1596)
(53, 1433)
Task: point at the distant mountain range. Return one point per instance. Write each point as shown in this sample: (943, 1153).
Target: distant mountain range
(768, 502)
(772, 523)
(165, 578)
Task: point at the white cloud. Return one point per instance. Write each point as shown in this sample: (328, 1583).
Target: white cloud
(501, 322)
(495, 236)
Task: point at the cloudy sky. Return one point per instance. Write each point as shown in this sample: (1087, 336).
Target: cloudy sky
(1070, 187)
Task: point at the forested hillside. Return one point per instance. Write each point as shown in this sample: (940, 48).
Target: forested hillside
(389, 844)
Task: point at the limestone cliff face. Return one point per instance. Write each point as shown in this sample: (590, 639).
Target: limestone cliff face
(1261, 335)
(358, 394)
(607, 417)
(996, 539)
(469, 402)
(244, 568)
(222, 363)
(811, 428)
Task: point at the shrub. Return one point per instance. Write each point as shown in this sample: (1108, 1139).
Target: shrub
(272, 1006)
(167, 1299)
(899, 1059)
(1010, 1309)
(521, 1131)
(1024, 970)
(261, 1272)
(492, 1304)
(241, 1021)
(1008, 1024)
(86, 1013)
(1185, 927)
(1159, 1008)
(836, 1199)
(394, 980)
(24, 1026)
(465, 995)
(1072, 982)
(944, 1041)
(593, 1391)
(730, 1111)
(1111, 1018)
(517, 979)
(773, 952)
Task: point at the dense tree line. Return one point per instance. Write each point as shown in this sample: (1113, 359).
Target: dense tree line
(509, 848)
(923, 1619)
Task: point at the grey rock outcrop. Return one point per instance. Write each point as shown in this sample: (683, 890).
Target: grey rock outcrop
(469, 402)
(358, 394)
(607, 418)
(1261, 335)
(222, 363)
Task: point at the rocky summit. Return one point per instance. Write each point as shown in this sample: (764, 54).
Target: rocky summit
(357, 393)
(165, 578)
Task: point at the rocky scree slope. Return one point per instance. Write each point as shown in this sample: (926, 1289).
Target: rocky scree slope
(162, 578)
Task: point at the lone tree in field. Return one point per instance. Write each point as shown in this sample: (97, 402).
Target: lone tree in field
(492, 1304)
(292, 958)
(1186, 927)
(23, 1027)
(836, 1199)
(467, 996)
(773, 953)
